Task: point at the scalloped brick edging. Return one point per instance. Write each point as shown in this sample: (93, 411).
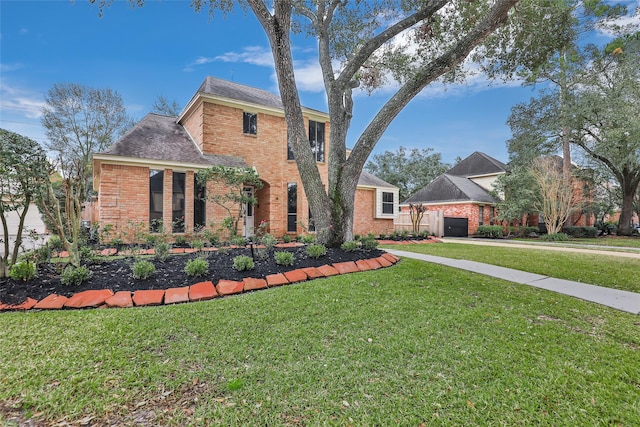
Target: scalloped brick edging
(198, 292)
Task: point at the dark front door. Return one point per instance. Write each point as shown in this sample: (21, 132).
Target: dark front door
(456, 227)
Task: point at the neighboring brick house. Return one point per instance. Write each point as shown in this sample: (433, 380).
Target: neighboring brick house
(148, 175)
(463, 194)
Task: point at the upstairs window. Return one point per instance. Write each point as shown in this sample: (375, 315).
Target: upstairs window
(249, 123)
(316, 139)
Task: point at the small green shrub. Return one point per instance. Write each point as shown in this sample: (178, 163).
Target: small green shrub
(75, 276)
(162, 250)
(197, 267)
(369, 243)
(197, 245)
(286, 238)
(382, 236)
(284, 258)
(116, 243)
(316, 250)
(151, 239)
(307, 239)
(87, 254)
(243, 263)
(181, 240)
(580, 232)
(142, 269)
(269, 241)
(239, 241)
(350, 246)
(55, 243)
(357, 237)
(557, 237)
(490, 231)
(22, 271)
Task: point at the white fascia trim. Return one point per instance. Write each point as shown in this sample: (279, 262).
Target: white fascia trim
(152, 164)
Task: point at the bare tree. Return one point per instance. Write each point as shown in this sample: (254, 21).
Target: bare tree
(554, 199)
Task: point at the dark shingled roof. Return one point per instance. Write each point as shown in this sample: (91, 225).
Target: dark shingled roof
(451, 188)
(158, 137)
(477, 164)
(368, 180)
(227, 89)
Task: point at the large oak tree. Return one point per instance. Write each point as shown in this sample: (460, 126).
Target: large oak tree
(366, 44)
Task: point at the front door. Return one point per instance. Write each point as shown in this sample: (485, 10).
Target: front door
(247, 211)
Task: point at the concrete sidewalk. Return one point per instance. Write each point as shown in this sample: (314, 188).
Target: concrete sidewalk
(620, 300)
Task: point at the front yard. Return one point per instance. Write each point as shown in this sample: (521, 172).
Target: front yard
(411, 344)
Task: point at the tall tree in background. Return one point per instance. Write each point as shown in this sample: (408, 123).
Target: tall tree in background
(409, 171)
(78, 121)
(23, 171)
(606, 116)
(367, 44)
(563, 73)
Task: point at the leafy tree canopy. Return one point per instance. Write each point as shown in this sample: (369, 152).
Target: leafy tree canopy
(408, 170)
(366, 44)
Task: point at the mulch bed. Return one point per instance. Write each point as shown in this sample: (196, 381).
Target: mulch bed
(115, 273)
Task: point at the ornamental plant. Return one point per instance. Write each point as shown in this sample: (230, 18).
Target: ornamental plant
(143, 269)
(316, 250)
(197, 267)
(284, 258)
(243, 263)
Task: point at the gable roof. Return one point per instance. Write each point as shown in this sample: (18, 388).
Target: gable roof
(231, 90)
(368, 180)
(450, 188)
(478, 164)
(218, 88)
(160, 138)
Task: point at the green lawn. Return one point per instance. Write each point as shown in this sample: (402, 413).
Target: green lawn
(603, 270)
(619, 242)
(411, 344)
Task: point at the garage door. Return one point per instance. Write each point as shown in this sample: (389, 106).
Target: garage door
(456, 227)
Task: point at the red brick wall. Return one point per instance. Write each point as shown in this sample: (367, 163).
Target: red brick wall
(364, 221)
(470, 211)
(123, 196)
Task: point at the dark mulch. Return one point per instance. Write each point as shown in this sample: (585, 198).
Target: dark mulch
(115, 274)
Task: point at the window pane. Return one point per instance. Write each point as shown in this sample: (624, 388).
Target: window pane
(177, 201)
(292, 207)
(250, 123)
(199, 205)
(320, 142)
(387, 203)
(156, 187)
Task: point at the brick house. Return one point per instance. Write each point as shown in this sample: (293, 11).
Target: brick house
(149, 174)
(463, 194)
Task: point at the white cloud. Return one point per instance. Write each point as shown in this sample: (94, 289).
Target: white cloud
(625, 25)
(20, 102)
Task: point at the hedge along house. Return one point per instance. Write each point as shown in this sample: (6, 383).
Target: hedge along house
(463, 194)
(148, 176)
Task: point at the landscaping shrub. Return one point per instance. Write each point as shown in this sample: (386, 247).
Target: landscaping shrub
(316, 250)
(490, 231)
(239, 241)
(307, 239)
(197, 245)
(350, 246)
(284, 258)
(286, 238)
(369, 243)
(181, 240)
(55, 243)
(75, 276)
(580, 232)
(22, 271)
(196, 267)
(142, 269)
(557, 237)
(269, 241)
(243, 263)
(162, 251)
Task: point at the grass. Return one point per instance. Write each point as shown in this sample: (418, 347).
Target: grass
(602, 270)
(618, 242)
(415, 343)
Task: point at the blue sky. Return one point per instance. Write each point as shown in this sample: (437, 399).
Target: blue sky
(165, 48)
